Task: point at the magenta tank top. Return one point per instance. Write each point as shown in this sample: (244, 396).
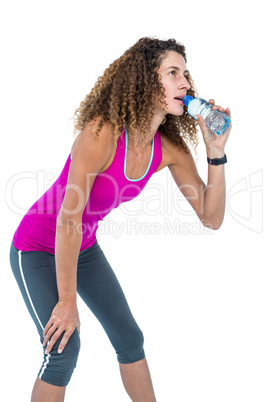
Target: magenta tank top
(37, 229)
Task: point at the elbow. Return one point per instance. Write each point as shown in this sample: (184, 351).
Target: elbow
(213, 224)
(65, 218)
(71, 224)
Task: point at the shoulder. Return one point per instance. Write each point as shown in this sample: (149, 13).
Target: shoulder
(92, 148)
(104, 134)
(90, 138)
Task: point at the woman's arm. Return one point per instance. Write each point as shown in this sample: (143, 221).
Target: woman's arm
(65, 317)
(208, 201)
(89, 156)
(215, 194)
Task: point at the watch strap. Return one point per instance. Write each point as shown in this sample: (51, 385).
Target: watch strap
(217, 161)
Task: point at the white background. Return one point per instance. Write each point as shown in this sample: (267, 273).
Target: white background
(200, 297)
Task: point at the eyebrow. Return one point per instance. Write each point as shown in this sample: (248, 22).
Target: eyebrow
(177, 68)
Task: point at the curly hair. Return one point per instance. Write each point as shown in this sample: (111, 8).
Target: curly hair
(128, 90)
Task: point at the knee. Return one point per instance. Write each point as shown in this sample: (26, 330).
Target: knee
(57, 369)
(131, 349)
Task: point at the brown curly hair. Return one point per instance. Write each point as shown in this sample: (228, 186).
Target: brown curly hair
(128, 90)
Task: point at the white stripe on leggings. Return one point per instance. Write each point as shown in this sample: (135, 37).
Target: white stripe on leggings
(38, 319)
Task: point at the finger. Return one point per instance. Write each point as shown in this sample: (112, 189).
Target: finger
(201, 121)
(228, 112)
(49, 334)
(48, 326)
(219, 108)
(65, 339)
(202, 124)
(78, 327)
(53, 340)
(48, 331)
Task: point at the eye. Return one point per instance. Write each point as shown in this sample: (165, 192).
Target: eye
(173, 72)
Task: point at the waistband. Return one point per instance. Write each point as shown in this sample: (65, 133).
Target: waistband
(93, 247)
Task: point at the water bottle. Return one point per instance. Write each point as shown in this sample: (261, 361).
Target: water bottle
(217, 122)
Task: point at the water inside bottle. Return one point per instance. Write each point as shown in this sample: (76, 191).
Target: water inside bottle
(218, 122)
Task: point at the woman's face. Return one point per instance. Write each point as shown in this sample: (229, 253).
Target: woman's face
(174, 74)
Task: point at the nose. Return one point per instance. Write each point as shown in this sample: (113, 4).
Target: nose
(184, 84)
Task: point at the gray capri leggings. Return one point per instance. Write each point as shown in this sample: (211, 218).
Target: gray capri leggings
(35, 273)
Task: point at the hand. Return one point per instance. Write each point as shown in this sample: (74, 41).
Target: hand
(214, 143)
(64, 318)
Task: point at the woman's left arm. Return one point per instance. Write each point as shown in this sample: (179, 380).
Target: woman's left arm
(208, 201)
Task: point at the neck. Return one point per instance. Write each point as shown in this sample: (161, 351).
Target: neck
(137, 143)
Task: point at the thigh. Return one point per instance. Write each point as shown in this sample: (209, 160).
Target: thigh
(99, 288)
(35, 273)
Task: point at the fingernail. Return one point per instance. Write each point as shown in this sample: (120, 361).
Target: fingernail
(60, 350)
(46, 352)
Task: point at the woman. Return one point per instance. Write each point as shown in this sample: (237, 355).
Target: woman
(131, 125)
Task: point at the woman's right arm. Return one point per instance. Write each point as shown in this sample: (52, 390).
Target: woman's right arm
(88, 158)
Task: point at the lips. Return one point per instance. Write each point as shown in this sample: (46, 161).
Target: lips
(179, 99)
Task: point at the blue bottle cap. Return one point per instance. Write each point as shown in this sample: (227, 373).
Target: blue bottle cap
(187, 99)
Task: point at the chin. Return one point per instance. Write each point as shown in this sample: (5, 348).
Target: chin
(177, 114)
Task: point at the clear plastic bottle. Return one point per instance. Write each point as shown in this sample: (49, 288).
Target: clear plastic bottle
(217, 122)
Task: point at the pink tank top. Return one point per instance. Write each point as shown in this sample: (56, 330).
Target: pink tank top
(37, 229)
